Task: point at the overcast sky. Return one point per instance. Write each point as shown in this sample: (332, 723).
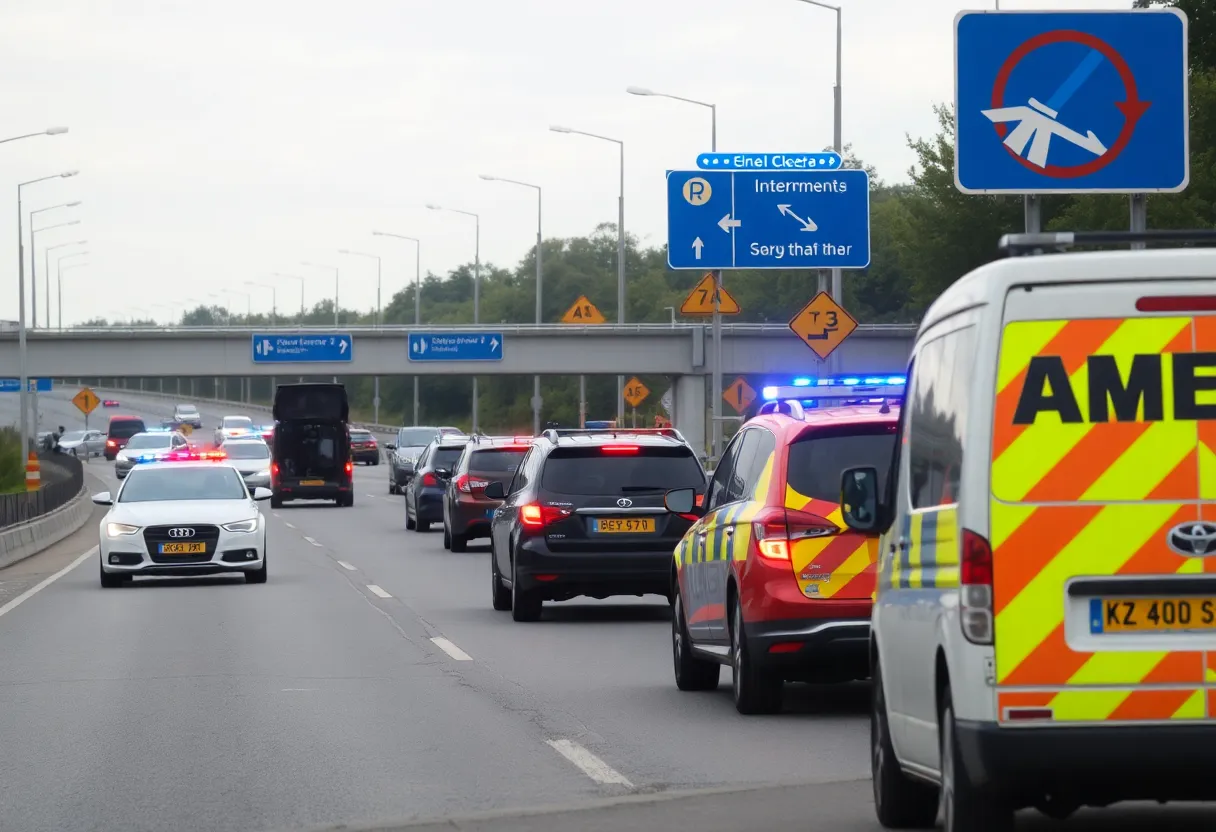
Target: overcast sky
(219, 142)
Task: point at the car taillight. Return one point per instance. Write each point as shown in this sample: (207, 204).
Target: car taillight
(775, 529)
(975, 575)
(469, 485)
(371, 444)
(1177, 303)
(274, 470)
(619, 449)
(534, 515)
(349, 468)
(110, 443)
(429, 479)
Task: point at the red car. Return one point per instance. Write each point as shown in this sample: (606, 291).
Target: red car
(363, 447)
(109, 403)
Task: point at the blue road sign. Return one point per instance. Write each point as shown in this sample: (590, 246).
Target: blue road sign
(303, 348)
(1071, 102)
(768, 220)
(13, 385)
(828, 160)
(455, 346)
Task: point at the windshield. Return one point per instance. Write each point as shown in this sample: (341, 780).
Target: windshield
(445, 457)
(72, 436)
(149, 485)
(149, 440)
(126, 428)
(498, 462)
(591, 472)
(187, 409)
(360, 435)
(815, 464)
(415, 437)
(237, 422)
(247, 450)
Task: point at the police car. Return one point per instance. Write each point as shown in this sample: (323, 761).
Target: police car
(1046, 605)
(186, 513)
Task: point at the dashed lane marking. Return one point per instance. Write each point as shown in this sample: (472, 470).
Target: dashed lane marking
(451, 649)
(38, 587)
(288, 525)
(588, 763)
(313, 542)
(377, 591)
(346, 566)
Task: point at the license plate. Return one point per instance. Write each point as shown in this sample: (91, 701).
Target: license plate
(183, 548)
(312, 482)
(490, 512)
(1151, 615)
(623, 525)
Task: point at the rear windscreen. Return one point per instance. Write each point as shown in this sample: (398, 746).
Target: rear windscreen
(126, 428)
(815, 463)
(311, 403)
(496, 461)
(445, 457)
(360, 436)
(593, 472)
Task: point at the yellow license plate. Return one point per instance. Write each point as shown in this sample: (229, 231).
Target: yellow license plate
(183, 548)
(312, 482)
(624, 525)
(1151, 615)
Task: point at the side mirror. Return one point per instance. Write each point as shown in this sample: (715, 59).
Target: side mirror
(495, 491)
(103, 499)
(683, 501)
(260, 493)
(392, 446)
(859, 504)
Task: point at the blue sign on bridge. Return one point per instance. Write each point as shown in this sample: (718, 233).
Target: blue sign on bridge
(13, 385)
(768, 220)
(454, 346)
(1071, 102)
(303, 348)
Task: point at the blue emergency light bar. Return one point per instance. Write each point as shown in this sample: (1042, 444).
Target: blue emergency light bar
(877, 387)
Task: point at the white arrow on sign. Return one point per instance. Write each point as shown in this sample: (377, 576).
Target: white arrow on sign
(807, 225)
(265, 347)
(493, 344)
(342, 347)
(420, 345)
(726, 223)
(697, 245)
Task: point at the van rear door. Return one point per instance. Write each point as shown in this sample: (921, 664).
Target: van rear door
(1103, 522)
(316, 403)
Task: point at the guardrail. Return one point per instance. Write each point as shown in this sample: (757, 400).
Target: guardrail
(58, 488)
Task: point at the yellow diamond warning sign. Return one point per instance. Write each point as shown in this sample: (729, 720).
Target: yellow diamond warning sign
(583, 312)
(700, 300)
(86, 401)
(739, 394)
(636, 392)
(823, 325)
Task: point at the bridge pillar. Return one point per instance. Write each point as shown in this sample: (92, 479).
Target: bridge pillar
(688, 410)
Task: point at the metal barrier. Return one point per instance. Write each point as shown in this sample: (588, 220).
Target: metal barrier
(62, 480)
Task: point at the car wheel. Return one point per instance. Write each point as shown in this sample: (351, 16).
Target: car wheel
(500, 596)
(899, 801)
(409, 521)
(755, 691)
(692, 673)
(276, 502)
(109, 581)
(964, 808)
(447, 537)
(525, 604)
(258, 576)
(392, 488)
(459, 543)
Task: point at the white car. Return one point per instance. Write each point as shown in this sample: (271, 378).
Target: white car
(251, 457)
(231, 426)
(182, 518)
(143, 447)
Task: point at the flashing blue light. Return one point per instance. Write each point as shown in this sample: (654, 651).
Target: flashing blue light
(769, 393)
(897, 379)
(802, 382)
(849, 381)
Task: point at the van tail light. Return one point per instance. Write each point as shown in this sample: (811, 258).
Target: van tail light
(619, 450)
(776, 529)
(110, 443)
(975, 576)
(274, 472)
(349, 468)
(1177, 303)
(536, 516)
(468, 485)
(429, 480)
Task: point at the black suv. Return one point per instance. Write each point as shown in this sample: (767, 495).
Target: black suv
(424, 492)
(584, 515)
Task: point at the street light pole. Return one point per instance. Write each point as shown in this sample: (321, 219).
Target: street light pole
(295, 277)
(417, 294)
(716, 384)
(34, 261)
(476, 283)
(540, 239)
(50, 131)
(60, 269)
(376, 257)
(274, 304)
(337, 276)
(46, 263)
(620, 257)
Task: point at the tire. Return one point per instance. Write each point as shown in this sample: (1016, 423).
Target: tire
(458, 542)
(375, 462)
(350, 498)
(900, 802)
(392, 488)
(755, 691)
(526, 605)
(276, 502)
(109, 581)
(258, 576)
(422, 525)
(500, 596)
(410, 525)
(692, 672)
(447, 537)
(965, 808)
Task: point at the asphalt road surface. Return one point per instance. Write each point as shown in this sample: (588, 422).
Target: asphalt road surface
(370, 683)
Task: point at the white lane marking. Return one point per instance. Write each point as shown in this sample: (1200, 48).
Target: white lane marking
(346, 566)
(313, 542)
(451, 649)
(285, 523)
(588, 763)
(43, 584)
(296, 690)
(377, 591)
(373, 496)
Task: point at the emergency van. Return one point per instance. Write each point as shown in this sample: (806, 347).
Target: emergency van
(1044, 629)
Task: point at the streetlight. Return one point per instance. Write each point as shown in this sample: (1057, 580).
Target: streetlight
(620, 256)
(536, 400)
(476, 283)
(50, 131)
(46, 262)
(248, 304)
(23, 357)
(337, 275)
(417, 293)
(59, 277)
(34, 260)
(295, 277)
(60, 268)
(274, 304)
(375, 257)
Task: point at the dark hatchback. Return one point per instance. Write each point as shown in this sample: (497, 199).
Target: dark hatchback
(311, 453)
(364, 447)
(467, 510)
(404, 451)
(424, 492)
(119, 433)
(584, 515)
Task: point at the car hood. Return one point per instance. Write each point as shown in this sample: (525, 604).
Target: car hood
(410, 451)
(136, 453)
(182, 511)
(250, 466)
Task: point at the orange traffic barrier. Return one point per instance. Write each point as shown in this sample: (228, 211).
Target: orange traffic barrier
(33, 473)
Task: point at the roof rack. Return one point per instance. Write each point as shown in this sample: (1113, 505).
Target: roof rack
(553, 434)
(1015, 245)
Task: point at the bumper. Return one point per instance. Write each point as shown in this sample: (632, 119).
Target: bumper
(1096, 765)
(329, 491)
(365, 455)
(819, 650)
(233, 553)
(472, 520)
(559, 576)
(401, 473)
(121, 470)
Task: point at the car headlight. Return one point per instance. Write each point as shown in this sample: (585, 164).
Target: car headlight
(242, 526)
(120, 529)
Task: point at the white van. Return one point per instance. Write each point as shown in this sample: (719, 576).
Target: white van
(1044, 631)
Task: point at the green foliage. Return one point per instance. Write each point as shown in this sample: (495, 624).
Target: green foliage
(12, 462)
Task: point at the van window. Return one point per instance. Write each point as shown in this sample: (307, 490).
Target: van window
(126, 428)
(938, 419)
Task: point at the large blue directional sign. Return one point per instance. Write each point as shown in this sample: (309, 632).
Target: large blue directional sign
(1071, 102)
(768, 220)
(455, 346)
(769, 161)
(303, 348)
(13, 385)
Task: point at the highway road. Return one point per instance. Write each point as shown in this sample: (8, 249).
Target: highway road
(370, 682)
